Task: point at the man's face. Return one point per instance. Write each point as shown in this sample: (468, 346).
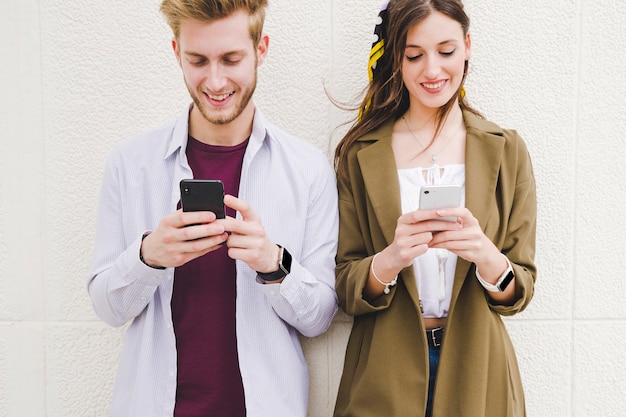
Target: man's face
(219, 63)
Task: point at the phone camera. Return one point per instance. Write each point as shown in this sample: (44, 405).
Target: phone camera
(186, 190)
(426, 192)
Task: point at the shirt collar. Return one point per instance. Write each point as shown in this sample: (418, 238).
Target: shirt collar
(260, 132)
(260, 128)
(180, 133)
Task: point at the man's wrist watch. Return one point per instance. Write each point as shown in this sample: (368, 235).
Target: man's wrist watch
(502, 283)
(284, 267)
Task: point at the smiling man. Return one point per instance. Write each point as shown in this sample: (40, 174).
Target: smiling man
(215, 306)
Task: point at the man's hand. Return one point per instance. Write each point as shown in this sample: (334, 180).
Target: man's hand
(174, 243)
(247, 241)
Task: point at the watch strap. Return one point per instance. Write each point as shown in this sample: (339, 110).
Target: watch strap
(284, 267)
(141, 254)
(503, 281)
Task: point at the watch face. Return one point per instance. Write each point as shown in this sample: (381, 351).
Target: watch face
(506, 281)
(284, 267)
(285, 262)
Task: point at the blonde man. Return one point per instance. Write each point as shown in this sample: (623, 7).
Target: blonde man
(215, 305)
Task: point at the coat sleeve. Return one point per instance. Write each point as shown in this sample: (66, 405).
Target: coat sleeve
(356, 247)
(519, 236)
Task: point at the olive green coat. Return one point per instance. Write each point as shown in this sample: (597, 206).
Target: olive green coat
(386, 365)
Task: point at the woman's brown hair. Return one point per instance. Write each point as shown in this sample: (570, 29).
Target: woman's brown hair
(386, 96)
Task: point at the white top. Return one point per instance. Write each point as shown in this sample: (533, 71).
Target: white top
(291, 186)
(434, 270)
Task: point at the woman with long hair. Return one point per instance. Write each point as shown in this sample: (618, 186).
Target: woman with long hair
(428, 294)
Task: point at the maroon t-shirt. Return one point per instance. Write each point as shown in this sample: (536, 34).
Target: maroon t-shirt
(203, 307)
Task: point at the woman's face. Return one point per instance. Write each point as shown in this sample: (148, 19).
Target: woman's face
(434, 59)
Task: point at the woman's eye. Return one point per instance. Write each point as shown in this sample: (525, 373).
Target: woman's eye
(447, 53)
(413, 58)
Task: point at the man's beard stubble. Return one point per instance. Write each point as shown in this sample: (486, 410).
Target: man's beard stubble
(245, 99)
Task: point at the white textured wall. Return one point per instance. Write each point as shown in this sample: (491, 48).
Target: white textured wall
(78, 76)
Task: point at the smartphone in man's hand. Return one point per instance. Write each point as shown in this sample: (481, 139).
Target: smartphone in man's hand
(203, 195)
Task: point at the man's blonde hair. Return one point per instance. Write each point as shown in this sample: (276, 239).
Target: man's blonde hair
(175, 11)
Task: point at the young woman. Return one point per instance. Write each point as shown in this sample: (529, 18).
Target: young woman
(427, 295)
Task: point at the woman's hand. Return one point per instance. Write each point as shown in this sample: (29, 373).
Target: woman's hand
(414, 234)
(470, 243)
(412, 237)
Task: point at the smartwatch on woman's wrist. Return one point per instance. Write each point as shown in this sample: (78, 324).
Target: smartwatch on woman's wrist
(502, 283)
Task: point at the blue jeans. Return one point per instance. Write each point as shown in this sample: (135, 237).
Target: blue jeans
(433, 356)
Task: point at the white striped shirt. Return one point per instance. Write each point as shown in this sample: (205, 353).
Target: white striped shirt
(291, 186)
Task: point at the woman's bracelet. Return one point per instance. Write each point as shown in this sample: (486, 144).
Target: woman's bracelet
(387, 285)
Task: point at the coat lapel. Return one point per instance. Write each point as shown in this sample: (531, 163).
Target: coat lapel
(380, 177)
(483, 153)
